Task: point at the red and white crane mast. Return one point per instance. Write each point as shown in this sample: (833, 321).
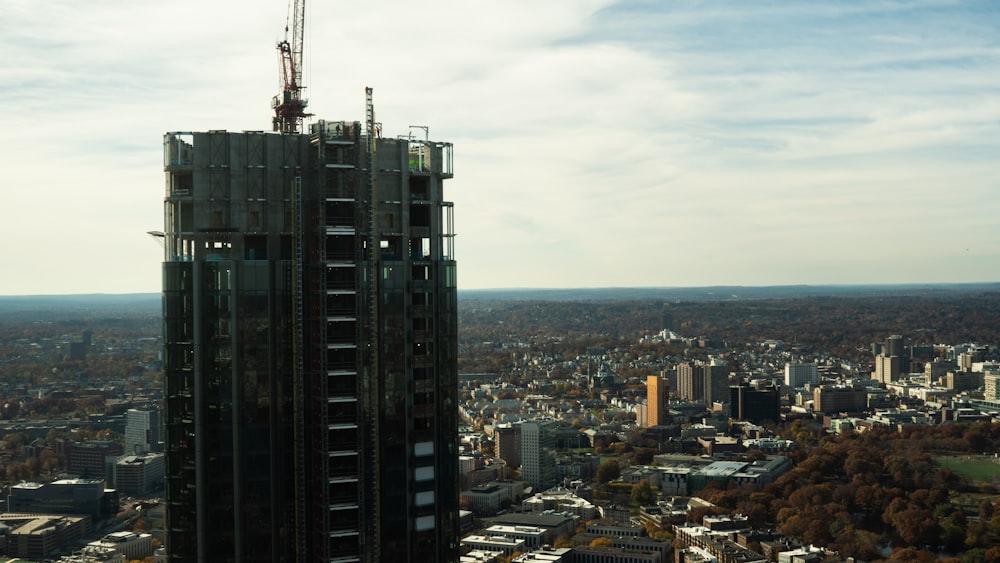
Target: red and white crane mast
(289, 106)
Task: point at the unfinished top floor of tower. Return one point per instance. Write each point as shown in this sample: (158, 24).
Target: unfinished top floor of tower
(221, 182)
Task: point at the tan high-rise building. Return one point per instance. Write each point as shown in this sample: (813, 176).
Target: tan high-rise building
(991, 384)
(705, 383)
(657, 400)
(887, 368)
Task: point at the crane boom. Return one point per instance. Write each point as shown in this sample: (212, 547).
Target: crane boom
(289, 106)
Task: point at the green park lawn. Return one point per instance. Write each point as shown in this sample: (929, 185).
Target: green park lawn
(975, 468)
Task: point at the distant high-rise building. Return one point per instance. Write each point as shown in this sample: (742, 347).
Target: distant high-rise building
(800, 374)
(657, 401)
(959, 381)
(93, 459)
(887, 368)
(78, 350)
(690, 386)
(967, 359)
(310, 346)
(755, 405)
(139, 475)
(703, 383)
(833, 399)
(667, 318)
(893, 346)
(991, 385)
(538, 446)
(508, 444)
(938, 369)
(142, 431)
(717, 382)
(670, 375)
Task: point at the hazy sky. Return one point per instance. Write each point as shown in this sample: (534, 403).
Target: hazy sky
(597, 143)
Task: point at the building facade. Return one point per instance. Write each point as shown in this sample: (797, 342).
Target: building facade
(485, 500)
(139, 475)
(65, 496)
(690, 385)
(128, 545)
(703, 383)
(755, 405)
(538, 445)
(657, 401)
(309, 347)
(573, 466)
(799, 374)
(92, 459)
(887, 368)
(37, 536)
(508, 444)
(142, 431)
(991, 386)
(832, 399)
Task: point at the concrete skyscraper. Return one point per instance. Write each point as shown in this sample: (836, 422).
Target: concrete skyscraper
(887, 368)
(538, 446)
(701, 382)
(798, 374)
(991, 384)
(310, 347)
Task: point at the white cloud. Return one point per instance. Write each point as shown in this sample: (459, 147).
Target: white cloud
(597, 143)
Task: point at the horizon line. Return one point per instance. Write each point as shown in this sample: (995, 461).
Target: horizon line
(888, 285)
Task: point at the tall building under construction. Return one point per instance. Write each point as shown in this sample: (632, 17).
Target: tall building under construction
(309, 304)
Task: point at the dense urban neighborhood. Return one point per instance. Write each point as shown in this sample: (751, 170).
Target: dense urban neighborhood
(596, 428)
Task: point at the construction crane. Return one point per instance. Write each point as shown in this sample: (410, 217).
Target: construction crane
(289, 106)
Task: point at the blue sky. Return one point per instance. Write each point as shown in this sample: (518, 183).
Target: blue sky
(597, 143)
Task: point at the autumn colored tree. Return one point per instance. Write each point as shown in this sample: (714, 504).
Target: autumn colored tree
(15, 440)
(602, 542)
(49, 460)
(860, 544)
(916, 526)
(755, 509)
(644, 456)
(953, 531)
(985, 509)
(698, 513)
(608, 471)
(912, 554)
(562, 541)
(643, 494)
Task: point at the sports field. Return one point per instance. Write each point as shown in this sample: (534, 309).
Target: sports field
(974, 468)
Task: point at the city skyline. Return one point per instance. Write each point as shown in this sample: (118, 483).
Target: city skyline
(770, 144)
